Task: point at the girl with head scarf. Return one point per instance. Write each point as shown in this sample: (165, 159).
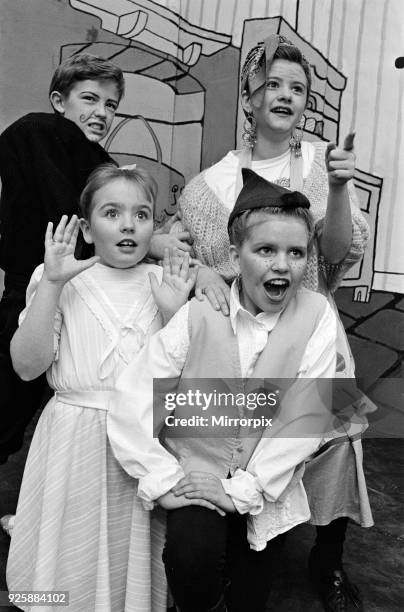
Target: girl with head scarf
(275, 92)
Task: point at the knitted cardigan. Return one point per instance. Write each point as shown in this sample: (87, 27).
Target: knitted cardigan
(205, 217)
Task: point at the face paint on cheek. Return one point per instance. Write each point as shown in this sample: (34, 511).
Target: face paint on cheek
(262, 266)
(83, 118)
(298, 270)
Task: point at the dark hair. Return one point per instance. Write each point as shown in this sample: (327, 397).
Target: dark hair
(286, 50)
(239, 229)
(106, 173)
(85, 66)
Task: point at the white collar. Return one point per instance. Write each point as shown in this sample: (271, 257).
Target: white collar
(267, 320)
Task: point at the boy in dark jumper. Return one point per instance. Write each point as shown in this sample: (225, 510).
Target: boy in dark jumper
(45, 159)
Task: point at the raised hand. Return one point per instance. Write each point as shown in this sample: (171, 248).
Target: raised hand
(340, 163)
(206, 486)
(178, 280)
(60, 265)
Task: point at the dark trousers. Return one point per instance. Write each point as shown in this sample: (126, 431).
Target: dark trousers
(209, 563)
(329, 546)
(18, 400)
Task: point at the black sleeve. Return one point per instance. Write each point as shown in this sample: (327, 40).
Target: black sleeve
(42, 177)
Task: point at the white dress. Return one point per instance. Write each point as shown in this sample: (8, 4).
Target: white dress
(80, 526)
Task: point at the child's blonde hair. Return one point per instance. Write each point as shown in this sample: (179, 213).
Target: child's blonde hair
(109, 172)
(239, 229)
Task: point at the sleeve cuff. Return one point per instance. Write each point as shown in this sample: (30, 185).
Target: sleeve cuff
(155, 484)
(245, 492)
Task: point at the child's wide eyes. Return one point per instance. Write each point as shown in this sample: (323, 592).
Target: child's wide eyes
(272, 84)
(297, 253)
(111, 212)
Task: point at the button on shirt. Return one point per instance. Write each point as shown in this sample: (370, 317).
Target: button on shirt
(130, 416)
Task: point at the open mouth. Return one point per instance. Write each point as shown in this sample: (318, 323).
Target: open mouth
(127, 243)
(96, 126)
(282, 110)
(276, 288)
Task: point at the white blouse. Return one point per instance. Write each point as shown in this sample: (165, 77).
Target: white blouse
(221, 176)
(130, 417)
(103, 318)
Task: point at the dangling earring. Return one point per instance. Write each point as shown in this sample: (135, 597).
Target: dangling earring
(295, 142)
(249, 135)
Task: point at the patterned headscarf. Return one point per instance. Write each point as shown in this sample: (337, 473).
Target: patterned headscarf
(255, 70)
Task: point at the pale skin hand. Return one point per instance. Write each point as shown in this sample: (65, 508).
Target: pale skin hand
(169, 501)
(162, 239)
(31, 347)
(206, 486)
(340, 163)
(160, 242)
(211, 284)
(178, 281)
(337, 231)
(60, 265)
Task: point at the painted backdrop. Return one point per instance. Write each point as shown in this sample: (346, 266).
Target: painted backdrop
(181, 112)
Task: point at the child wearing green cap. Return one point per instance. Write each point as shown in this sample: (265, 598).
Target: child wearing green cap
(224, 560)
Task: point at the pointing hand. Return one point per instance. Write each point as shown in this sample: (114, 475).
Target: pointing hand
(340, 163)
